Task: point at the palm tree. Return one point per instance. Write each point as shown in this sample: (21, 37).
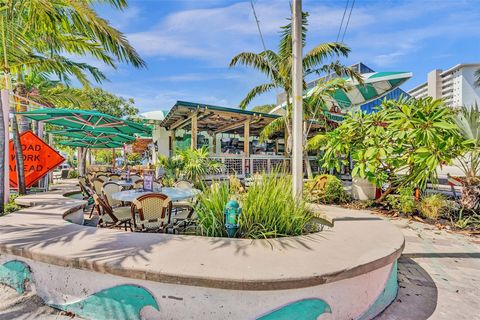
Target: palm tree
(477, 74)
(468, 122)
(277, 66)
(36, 36)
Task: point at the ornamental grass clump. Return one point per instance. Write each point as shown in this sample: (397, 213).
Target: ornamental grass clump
(268, 209)
(433, 206)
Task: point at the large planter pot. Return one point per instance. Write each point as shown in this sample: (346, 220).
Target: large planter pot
(362, 189)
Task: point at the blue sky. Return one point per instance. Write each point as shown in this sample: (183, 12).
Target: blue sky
(188, 44)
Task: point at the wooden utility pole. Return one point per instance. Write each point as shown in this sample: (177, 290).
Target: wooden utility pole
(297, 85)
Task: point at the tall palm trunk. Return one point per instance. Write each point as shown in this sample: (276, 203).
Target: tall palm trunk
(470, 198)
(17, 146)
(2, 158)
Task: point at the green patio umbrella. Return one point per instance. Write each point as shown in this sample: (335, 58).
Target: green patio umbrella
(92, 144)
(86, 120)
(96, 134)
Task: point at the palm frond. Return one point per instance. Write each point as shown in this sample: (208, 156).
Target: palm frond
(273, 127)
(255, 92)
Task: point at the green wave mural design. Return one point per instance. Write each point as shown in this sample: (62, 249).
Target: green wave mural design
(15, 274)
(308, 309)
(386, 297)
(120, 302)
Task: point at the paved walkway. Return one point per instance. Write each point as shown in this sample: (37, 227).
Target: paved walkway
(439, 275)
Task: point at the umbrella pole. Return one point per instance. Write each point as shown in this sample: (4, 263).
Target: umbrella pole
(113, 158)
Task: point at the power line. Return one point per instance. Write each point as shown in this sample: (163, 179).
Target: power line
(348, 20)
(341, 24)
(258, 25)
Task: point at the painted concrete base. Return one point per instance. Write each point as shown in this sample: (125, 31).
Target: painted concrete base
(94, 295)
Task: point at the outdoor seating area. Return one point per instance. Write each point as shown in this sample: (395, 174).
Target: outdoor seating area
(121, 202)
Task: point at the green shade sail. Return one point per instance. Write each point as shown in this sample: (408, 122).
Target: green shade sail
(89, 120)
(376, 85)
(94, 135)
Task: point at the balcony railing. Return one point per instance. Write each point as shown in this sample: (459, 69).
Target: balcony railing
(241, 166)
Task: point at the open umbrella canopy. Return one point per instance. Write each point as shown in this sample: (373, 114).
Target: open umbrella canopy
(87, 120)
(94, 135)
(92, 144)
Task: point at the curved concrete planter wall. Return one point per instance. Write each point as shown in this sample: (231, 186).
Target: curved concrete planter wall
(348, 272)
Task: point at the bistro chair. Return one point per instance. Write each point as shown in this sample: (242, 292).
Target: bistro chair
(183, 184)
(151, 212)
(112, 217)
(114, 177)
(135, 177)
(110, 188)
(87, 195)
(138, 184)
(97, 185)
(102, 177)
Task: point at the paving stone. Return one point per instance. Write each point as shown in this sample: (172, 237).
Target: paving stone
(439, 275)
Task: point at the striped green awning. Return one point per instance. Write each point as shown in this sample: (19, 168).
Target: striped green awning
(97, 134)
(86, 143)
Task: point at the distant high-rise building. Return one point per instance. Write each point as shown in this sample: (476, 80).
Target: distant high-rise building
(456, 86)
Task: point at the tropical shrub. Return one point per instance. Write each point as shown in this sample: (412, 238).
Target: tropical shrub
(326, 189)
(11, 206)
(268, 209)
(73, 174)
(433, 206)
(189, 164)
(403, 202)
(468, 122)
(401, 145)
(134, 158)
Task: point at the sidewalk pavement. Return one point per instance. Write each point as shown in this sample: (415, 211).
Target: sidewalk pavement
(439, 275)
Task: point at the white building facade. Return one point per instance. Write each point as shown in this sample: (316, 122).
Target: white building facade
(456, 86)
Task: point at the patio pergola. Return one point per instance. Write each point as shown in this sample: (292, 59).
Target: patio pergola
(215, 120)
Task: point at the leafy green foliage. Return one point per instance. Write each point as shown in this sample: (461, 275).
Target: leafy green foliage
(468, 122)
(134, 158)
(11, 206)
(189, 164)
(106, 102)
(72, 174)
(401, 145)
(433, 206)
(403, 202)
(326, 189)
(209, 208)
(265, 108)
(268, 209)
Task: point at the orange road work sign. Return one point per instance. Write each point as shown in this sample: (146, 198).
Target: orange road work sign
(38, 159)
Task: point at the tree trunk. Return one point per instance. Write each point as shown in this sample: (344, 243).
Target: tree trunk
(470, 199)
(82, 161)
(308, 167)
(2, 159)
(18, 157)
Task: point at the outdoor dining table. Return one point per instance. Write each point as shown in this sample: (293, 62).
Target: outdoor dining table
(124, 183)
(175, 194)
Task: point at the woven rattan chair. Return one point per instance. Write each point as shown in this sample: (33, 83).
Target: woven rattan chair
(138, 184)
(182, 184)
(102, 177)
(114, 177)
(97, 185)
(110, 188)
(135, 178)
(151, 212)
(112, 217)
